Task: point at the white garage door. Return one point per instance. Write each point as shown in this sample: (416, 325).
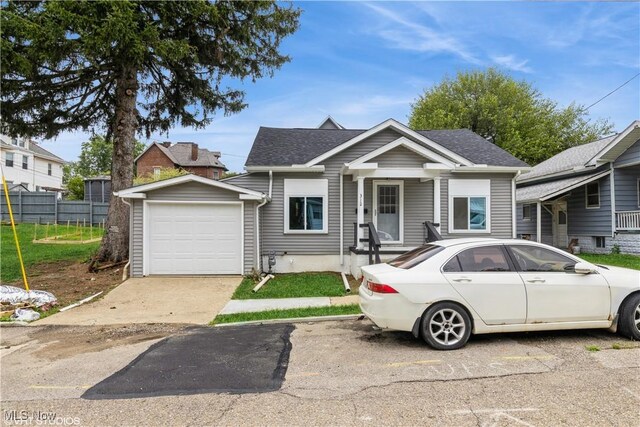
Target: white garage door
(192, 239)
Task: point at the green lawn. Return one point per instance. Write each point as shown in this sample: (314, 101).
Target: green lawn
(288, 314)
(294, 285)
(620, 260)
(37, 253)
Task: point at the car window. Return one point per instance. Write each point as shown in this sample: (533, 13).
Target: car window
(533, 258)
(453, 266)
(414, 257)
(483, 258)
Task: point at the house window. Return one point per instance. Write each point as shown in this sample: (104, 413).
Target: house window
(216, 175)
(156, 171)
(49, 169)
(526, 212)
(600, 242)
(25, 162)
(306, 206)
(469, 205)
(14, 141)
(9, 160)
(592, 191)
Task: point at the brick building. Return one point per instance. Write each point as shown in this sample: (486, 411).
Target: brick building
(182, 155)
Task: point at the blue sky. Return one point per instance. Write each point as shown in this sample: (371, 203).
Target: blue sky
(366, 62)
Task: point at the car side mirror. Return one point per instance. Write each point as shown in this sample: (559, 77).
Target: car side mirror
(584, 268)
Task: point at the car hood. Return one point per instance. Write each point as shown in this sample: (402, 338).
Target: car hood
(619, 277)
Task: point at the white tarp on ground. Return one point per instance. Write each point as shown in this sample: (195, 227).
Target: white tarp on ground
(13, 295)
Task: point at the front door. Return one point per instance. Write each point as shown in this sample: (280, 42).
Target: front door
(560, 236)
(387, 210)
(555, 292)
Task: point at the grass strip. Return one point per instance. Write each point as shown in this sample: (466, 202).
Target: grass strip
(334, 310)
(293, 285)
(619, 260)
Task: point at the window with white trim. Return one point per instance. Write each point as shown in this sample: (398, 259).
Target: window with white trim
(156, 171)
(25, 162)
(592, 195)
(469, 205)
(526, 212)
(8, 161)
(306, 207)
(49, 169)
(216, 174)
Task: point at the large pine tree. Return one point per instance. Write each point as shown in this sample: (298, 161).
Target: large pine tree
(125, 67)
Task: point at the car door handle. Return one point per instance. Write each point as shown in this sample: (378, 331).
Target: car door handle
(536, 281)
(462, 279)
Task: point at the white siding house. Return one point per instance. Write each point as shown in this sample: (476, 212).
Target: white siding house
(27, 164)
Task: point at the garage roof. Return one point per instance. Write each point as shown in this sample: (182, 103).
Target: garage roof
(138, 191)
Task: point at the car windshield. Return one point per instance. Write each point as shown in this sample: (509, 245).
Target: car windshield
(412, 258)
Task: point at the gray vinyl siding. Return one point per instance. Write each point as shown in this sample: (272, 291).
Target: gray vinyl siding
(626, 187)
(630, 156)
(589, 222)
(137, 236)
(500, 200)
(418, 201)
(192, 191)
(530, 226)
(399, 157)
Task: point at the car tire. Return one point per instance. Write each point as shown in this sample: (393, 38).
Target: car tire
(629, 320)
(445, 326)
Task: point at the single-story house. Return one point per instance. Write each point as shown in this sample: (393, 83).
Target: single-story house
(314, 198)
(590, 193)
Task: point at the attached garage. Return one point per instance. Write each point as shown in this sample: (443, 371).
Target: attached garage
(191, 226)
(193, 238)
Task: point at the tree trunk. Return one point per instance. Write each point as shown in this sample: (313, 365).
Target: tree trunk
(115, 243)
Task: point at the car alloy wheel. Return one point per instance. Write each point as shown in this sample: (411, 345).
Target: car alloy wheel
(636, 318)
(446, 326)
(629, 320)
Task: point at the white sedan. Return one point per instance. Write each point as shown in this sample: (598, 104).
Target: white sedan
(447, 290)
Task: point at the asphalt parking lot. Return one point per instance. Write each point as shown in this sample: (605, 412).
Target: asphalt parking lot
(336, 373)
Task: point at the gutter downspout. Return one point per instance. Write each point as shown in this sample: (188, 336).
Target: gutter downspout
(261, 204)
(612, 196)
(513, 205)
(125, 269)
(341, 218)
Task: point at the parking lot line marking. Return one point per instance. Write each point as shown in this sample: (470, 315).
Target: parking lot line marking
(541, 357)
(417, 362)
(59, 387)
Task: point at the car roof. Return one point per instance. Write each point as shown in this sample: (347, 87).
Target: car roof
(466, 240)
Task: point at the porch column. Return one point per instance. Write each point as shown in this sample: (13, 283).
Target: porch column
(539, 222)
(436, 202)
(360, 215)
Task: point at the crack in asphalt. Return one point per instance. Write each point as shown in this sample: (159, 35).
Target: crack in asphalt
(230, 406)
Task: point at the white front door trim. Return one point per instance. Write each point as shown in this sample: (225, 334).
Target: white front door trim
(400, 185)
(145, 227)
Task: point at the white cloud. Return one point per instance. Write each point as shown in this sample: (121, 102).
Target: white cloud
(408, 35)
(512, 63)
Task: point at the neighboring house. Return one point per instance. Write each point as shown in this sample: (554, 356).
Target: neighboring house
(26, 163)
(590, 192)
(304, 191)
(183, 155)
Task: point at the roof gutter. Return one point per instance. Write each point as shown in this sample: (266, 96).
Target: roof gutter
(486, 168)
(292, 168)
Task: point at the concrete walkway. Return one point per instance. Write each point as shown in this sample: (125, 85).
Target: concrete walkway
(194, 300)
(256, 305)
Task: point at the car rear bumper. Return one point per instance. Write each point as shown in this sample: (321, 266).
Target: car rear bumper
(389, 311)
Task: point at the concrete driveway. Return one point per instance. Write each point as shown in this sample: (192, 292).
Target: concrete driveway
(195, 300)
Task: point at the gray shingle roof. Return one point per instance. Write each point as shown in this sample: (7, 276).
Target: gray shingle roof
(285, 147)
(567, 160)
(543, 190)
(181, 153)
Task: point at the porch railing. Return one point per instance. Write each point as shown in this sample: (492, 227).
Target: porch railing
(628, 220)
(372, 239)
